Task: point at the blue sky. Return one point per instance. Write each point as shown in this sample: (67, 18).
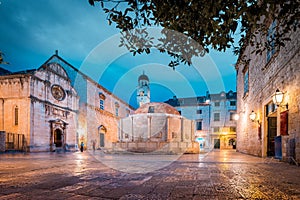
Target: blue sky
(32, 30)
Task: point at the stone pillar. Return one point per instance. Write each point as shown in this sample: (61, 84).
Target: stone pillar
(192, 131)
(132, 132)
(149, 127)
(2, 141)
(121, 130)
(51, 142)
(167, 130)
(181, 129)
(65, 136)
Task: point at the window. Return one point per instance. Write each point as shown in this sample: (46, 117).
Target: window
(117, 106)
(270, 108)
(232, 103)
(101, 104)
(216, 116)
(16, 115)
(199, 125)
(217, 104)
(102, 99)
(127, 112)
(199, 111)
(232, 129)
(271, 41)
(216, 129)
(179, 112)
(246, 81)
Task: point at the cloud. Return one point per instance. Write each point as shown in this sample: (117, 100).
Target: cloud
(32, 30)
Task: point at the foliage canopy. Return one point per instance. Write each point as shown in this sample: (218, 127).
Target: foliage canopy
(212, 24)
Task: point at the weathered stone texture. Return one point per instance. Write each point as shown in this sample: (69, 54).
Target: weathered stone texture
(157, 131)
(281, 72)
(114, 109)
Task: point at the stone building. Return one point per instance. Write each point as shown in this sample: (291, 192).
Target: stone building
(57, 106)
(269, 126)
(214, 118)
(41, 106)
(157, 128)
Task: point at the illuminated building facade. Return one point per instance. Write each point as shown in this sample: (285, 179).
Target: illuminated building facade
(268, 88)
(215, 125)
(57, 107)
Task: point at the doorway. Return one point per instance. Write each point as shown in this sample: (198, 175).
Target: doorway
(232, 143)
(58, 137)
(102, 139)
(216, 143)
(272, 132)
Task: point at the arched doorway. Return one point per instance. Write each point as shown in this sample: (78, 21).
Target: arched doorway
(58, 134)
(58, 138)
(101, 132)
(232, 143)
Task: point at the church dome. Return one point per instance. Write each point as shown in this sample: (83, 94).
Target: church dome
(157, 108)
(143, 77)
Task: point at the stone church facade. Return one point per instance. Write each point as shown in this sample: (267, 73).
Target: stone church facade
(40, 104)
(57, 107)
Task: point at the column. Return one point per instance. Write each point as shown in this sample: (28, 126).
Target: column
(181, 128)
(51, 137)
(149, 127)
(121, 130)
(132, 132)
(167, 130)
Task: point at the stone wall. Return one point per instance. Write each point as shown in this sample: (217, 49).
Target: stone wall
(281, 72)
(156, 133)
(108, 118)
(15, 90)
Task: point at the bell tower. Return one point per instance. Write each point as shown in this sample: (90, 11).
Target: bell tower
(143, 90)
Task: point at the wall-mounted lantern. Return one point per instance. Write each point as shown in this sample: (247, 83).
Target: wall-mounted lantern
(252, 116)
(278, 98)
(236, 116)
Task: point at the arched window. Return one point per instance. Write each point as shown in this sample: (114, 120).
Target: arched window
(16, 114)
(117, 106)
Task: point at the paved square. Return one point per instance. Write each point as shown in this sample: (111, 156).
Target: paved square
(95, 175)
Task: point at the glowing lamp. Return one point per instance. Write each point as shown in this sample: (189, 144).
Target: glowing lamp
(252, 116)
(278, 97)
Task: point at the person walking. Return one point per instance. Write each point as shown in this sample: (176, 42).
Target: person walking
(94, 145)
(81, 146)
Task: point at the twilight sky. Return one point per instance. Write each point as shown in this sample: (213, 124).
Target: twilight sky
(32, 30)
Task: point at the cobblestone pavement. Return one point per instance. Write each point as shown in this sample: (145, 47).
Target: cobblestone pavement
(95, 175)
